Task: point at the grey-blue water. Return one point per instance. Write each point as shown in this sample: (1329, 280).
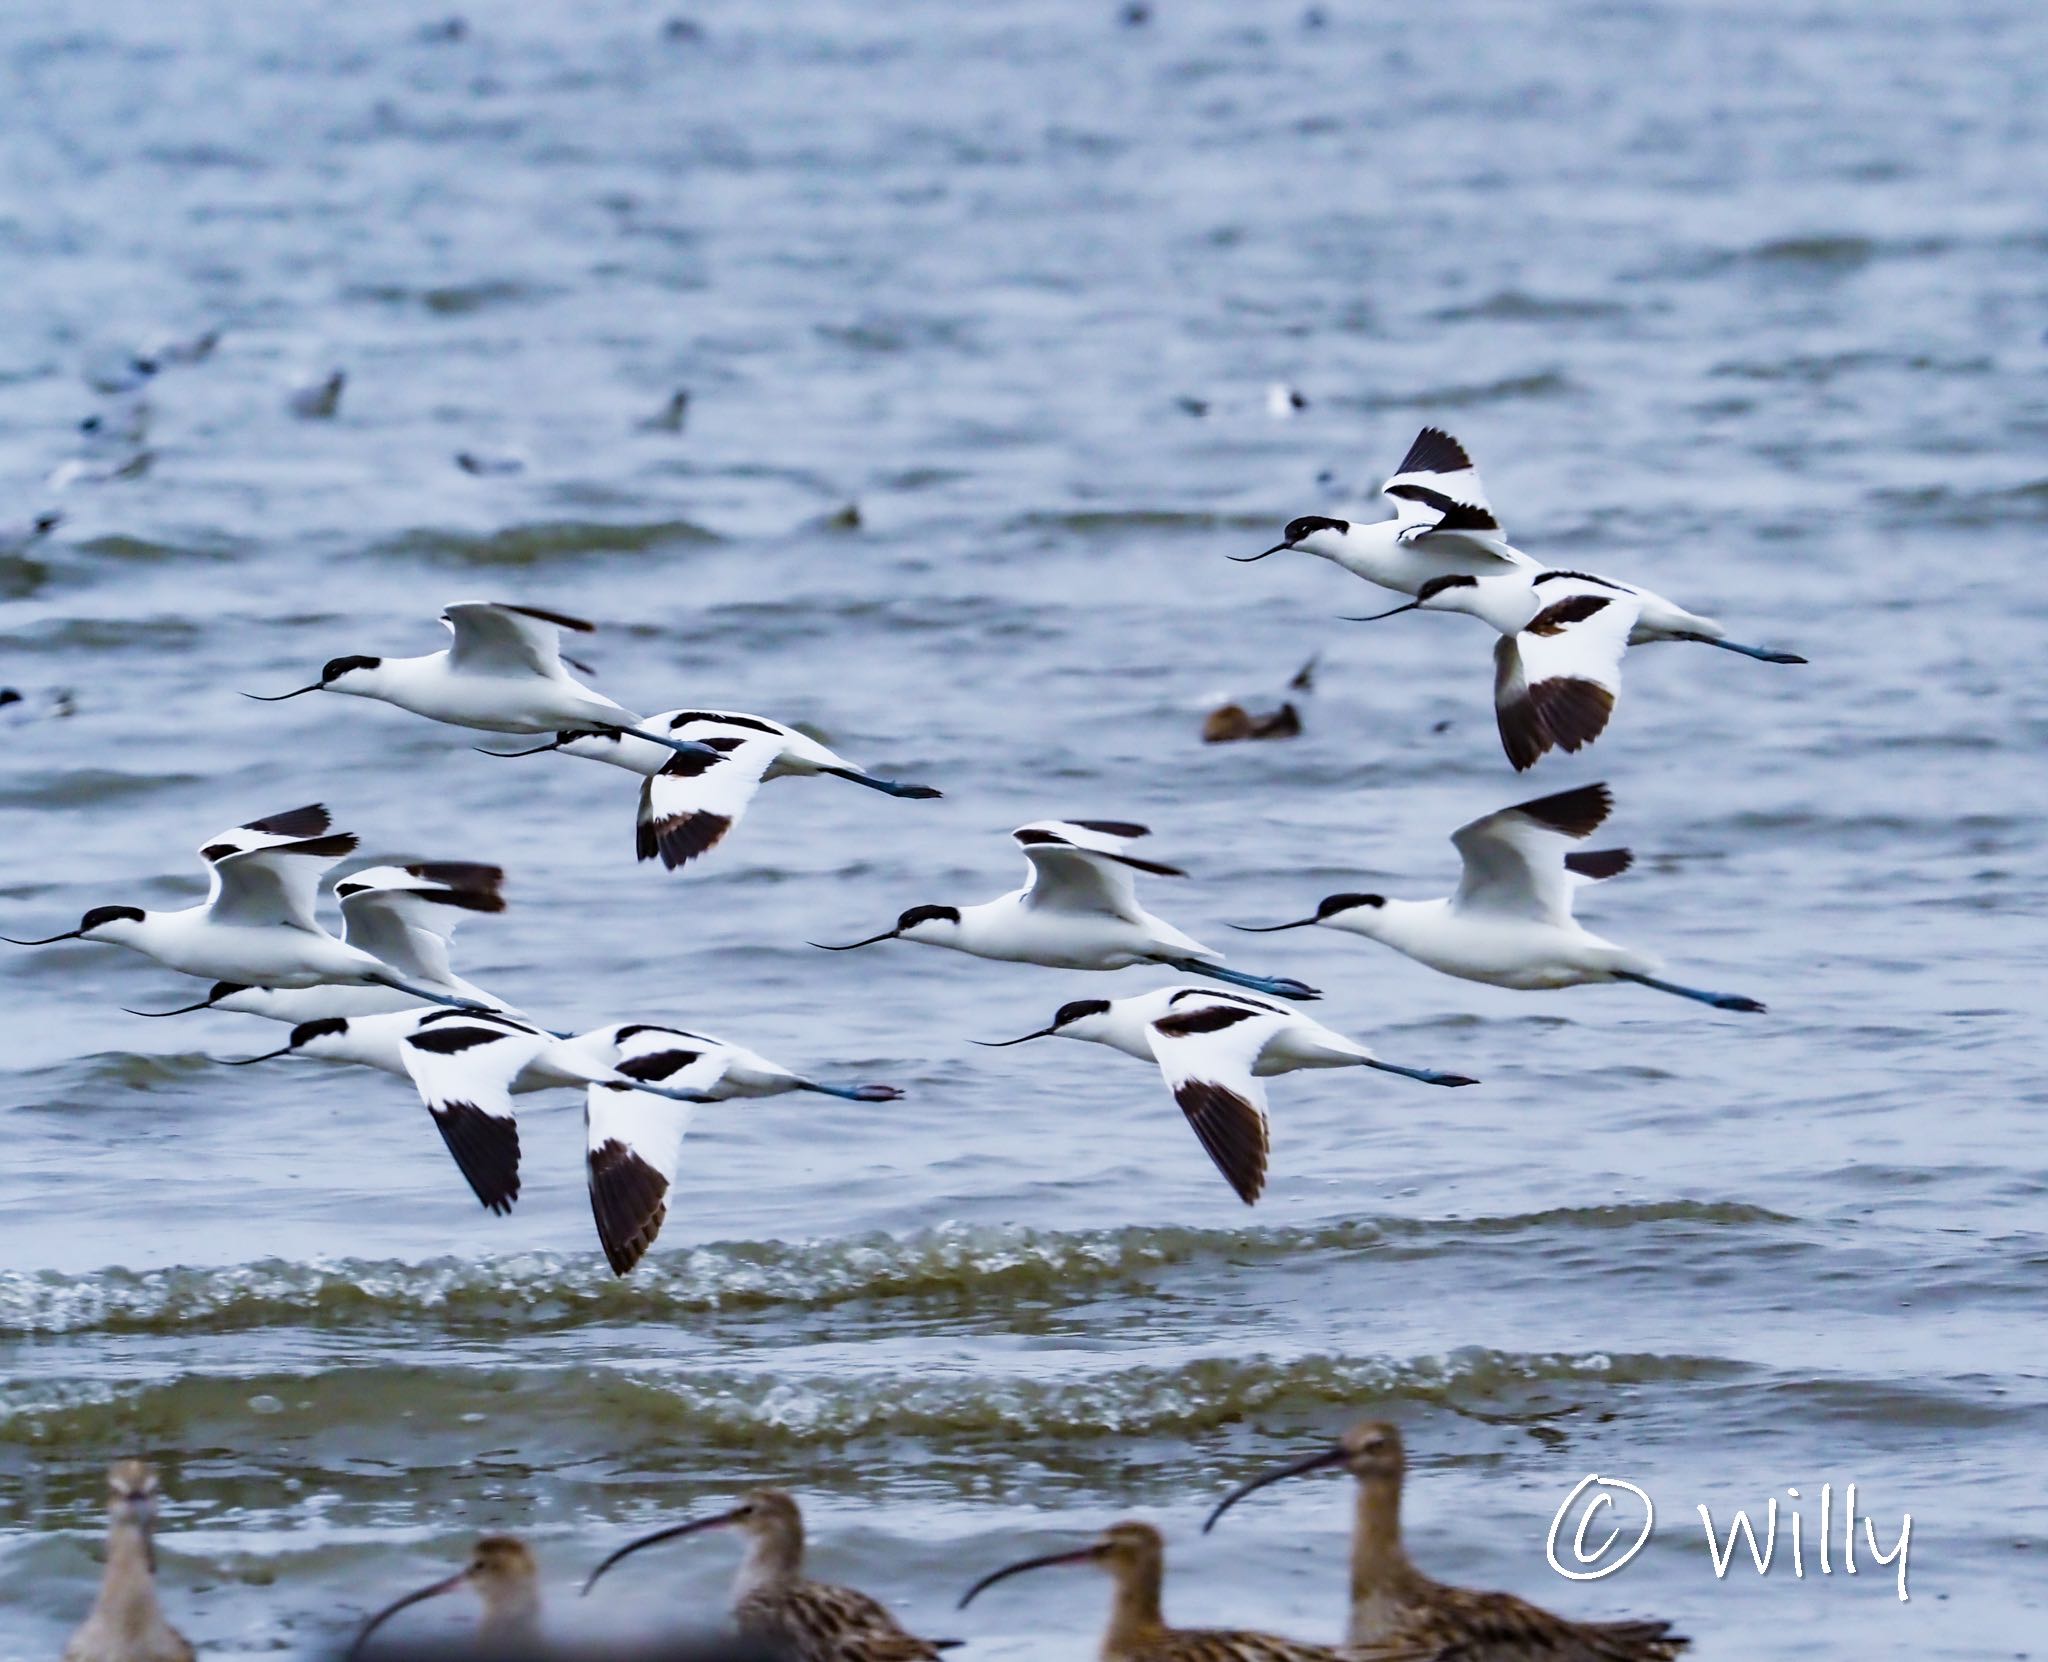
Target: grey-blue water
(1745, 303)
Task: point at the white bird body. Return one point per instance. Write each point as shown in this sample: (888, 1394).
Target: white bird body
(1443, 525)
(403, 916)
(256, 927)
(1213, 1045)
(1511, 601)
(1509, 923)
(1079, 911)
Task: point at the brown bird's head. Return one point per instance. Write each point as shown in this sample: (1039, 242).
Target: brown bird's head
(132, 1492)
(768, 1518)
(501, 1571)
(1132, 1552)
(1370, 1451)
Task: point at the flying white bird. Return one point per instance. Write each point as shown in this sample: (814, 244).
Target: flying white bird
(256, 927)
(1557, 664)
(689, 803)
(1510, 922)
(1078, 911)
(403, 915)
(1214, 1048)
(1442, 524)
(503, 674)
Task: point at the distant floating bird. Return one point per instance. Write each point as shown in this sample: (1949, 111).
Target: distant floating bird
(119, 426)
(689, 803)
(1214, 1047)
(170, 350)
(1510, 922)
(487, 464)
(20, 537)
(502, 1573)
(1078, 911)
(1230, 722)
(82, 470)
(673, 416)
(126, 1624)
(1135, 1557)
(318, 400)
(403, 915)
(1398, 1614)
(503, 674)
(467, 1070)
(774, 1605)
(1442, 525)
(1557, 664)
(256, 927)
(1283, 402)
(1197, 407)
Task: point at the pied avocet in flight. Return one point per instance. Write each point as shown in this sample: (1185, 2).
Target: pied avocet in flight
(256, 927)
(504, 673)
(403, 915)
(1510, 922)
(1078, 911)
(1214, 1047)
(689, 803)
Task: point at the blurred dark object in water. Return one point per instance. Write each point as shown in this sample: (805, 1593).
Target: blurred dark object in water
(1228, 723)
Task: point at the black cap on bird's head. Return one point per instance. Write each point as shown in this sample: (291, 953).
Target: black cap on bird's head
(335, 669)
(305, 1034)
(1331, 905)
(1076, 1009)
(1298, 532)
(98, 918)
(905, 924)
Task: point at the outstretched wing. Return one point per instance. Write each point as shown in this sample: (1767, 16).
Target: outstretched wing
(268, 871)
(492, 635)
(1515, 858)
(688, 807)
(463, 1067)
(405, 914)
(634, 1146)
(1207, 1049)
(1556, 682)
(1080, 865)
(1438, 499)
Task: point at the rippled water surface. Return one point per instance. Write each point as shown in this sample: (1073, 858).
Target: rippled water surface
(1744, 303)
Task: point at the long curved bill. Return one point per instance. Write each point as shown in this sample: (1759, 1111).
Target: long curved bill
(406, 1603)
(1272, 928)
(279, 698)
(221, 990)
(555, 743)
(1246, 559)
(1412, 606)
(886, 935)
(1332, 1456)
(68, 935)
(673, 1532)
(1004, 1044)
(1084, 1555)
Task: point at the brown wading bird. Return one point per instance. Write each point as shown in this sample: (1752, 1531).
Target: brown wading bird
(775, 1606)
(1135, 1557)
(126, 1624)
(503, 1575)
(1230, 722)
(1398, 1614)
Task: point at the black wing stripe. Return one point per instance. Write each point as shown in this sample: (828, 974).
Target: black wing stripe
(628, 1200)
(486, 1150)
(1231, 1130)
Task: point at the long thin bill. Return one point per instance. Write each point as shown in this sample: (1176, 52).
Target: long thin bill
(406, 1603)
(1083, 1556)
(673, 1532)
(1294, 1468)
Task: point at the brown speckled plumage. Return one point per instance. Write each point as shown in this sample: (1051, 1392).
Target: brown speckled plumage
(1398, 1614)
(126, 1624)
(1134, 1555)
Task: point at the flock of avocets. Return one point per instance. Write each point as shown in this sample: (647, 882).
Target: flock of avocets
(383, 993)
(1397, 1613)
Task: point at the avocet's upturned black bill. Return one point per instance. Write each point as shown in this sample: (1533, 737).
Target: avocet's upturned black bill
(1078, 911)
(504, 673)
(1510, 922)
(1214, 1047)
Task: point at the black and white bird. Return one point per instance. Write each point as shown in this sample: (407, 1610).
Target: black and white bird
(1442, 524)
(1557, 664)
(1214, 1047)
(1078, 911)
(318, 400)
(256, 927)
(689, 803)
(503, 674)
(1510, 923)
(403, 915)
